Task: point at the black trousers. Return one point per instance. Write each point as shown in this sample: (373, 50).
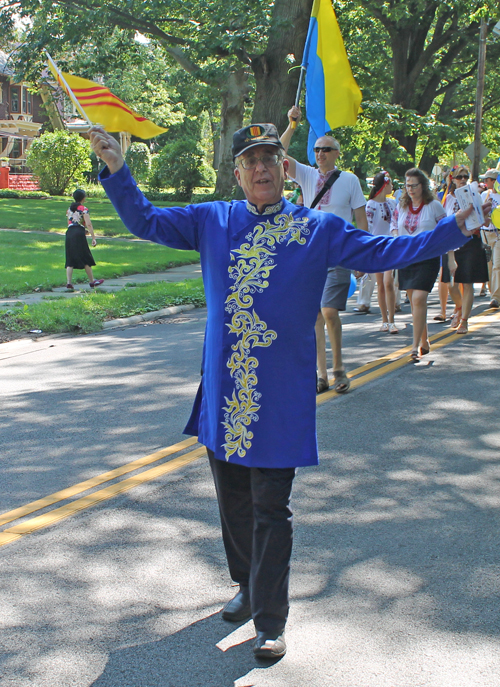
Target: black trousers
(257, 531)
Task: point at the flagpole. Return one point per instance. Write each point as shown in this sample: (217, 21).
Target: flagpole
(69, 92)
(299, 89)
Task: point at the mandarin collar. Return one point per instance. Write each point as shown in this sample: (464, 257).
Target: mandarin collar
(328, 174)
(268, 209)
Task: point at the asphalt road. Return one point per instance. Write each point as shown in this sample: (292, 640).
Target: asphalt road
(395, 571)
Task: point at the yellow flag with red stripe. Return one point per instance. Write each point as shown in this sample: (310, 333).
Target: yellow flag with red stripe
(103, 107)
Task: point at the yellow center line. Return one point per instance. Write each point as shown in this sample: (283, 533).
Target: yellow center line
(386, 364)
(399, 357)
(93, 482)
(12, 533)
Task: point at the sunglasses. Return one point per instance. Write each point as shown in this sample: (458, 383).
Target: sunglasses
(324, 149)
(462, 176)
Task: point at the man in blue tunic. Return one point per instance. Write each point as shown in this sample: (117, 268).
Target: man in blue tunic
(264, 264)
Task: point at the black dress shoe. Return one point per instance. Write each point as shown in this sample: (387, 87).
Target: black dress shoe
(238, 609)
(269, 646)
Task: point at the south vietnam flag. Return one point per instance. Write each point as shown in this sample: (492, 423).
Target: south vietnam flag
(104, 108)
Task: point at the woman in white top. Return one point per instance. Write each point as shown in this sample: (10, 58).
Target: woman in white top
(467, 265)
(417, 211)
(379, 211)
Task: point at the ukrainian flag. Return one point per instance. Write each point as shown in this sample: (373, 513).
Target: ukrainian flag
(333, 97)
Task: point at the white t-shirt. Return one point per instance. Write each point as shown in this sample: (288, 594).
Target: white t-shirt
(341, 199)
(451, 205)
(495, 202)
(405, 223)
(379, 216)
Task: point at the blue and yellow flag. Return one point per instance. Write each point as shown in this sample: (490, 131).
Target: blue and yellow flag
(333, 97)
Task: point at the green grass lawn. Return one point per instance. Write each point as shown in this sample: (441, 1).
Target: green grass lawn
(49, 214)
(86, 313)
(29, 260)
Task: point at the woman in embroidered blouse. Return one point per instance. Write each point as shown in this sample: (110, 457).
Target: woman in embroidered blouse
(379, 211)
(418, 211)
(78, 255)
(467, 265)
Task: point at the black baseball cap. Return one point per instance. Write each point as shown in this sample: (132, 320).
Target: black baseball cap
(255, 135)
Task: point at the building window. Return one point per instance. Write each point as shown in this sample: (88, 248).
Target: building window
(17, 149)
(14, 99)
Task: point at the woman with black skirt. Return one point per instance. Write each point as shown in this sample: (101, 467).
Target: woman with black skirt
(78, 255)
(417, 211)
(467, 265)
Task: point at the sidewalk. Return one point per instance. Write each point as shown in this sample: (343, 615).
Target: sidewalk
(174, 274)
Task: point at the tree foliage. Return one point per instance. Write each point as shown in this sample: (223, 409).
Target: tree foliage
(416, 63)
(138, 158)
(59, 160)
(181, 165)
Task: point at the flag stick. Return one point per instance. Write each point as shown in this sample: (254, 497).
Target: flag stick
(299, 89)
(69, 92)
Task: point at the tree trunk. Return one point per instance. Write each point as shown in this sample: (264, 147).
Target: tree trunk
(275, 86)
(234, 94)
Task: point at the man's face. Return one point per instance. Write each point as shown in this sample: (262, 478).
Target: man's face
(490, 183)
(262, 185)
(326, 161)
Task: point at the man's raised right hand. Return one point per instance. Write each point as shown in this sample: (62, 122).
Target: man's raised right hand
(107, 148)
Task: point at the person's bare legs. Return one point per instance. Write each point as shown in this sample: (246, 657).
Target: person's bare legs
(334, 327)
(467, 301)
(321, 347)
(456, 297)
(69, 274)
(418, 302)
(90, 275)
(390, 295)
(443, 295)
(381, 297)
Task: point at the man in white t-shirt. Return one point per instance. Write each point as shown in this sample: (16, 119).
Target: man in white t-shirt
(492, 236)
(344, 199)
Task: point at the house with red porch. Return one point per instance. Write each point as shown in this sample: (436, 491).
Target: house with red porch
(22, 115)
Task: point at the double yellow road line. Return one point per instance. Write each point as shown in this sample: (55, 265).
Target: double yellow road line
(360, 376)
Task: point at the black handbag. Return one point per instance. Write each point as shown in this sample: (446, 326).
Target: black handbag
(488, 253)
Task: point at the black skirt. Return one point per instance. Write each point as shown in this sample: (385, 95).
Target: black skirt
(77, 248)
(472, 266)
(420, 275)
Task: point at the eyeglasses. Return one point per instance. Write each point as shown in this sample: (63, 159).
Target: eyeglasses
(268, 160)
(412, 185)
(324, 149)
(462, 176)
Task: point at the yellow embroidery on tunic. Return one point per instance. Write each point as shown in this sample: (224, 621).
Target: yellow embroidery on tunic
(253, 263)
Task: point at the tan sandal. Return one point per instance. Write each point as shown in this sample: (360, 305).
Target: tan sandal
(463, 328)
(455, 319)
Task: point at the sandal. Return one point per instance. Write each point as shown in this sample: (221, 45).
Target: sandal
(384, 327)
(455, 320)
(342, 384)
(393, 329)
(322, 385)
(424, 350)
(414, 357)
(463, 328)
(440, 318)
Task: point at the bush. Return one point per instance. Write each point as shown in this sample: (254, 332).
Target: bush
(138, 158)
(7, 193)
(181, 165)
(59, 160)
